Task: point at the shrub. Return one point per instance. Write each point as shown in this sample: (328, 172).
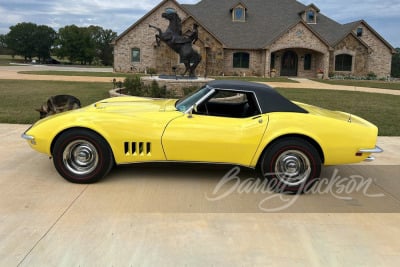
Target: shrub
(189, 90)
(157, 91)
(151, 71)
(133, 86)
(371, 76)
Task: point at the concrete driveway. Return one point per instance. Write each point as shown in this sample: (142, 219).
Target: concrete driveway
(177, 215)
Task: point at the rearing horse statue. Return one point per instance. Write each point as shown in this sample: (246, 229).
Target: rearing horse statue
(180, 44)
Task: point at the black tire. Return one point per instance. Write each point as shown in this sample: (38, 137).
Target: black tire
(82, 156)
(291, 165)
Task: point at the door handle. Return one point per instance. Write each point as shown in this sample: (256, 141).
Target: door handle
(260, 120)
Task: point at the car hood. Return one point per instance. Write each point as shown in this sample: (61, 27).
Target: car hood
(135, 104)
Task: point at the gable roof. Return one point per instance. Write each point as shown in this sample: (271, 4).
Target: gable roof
(260, 28)
(265, 22)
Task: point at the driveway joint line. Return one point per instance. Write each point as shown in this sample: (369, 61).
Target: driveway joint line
(53, 225)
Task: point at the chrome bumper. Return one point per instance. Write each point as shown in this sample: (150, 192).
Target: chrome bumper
(29, 138)
(377, 149)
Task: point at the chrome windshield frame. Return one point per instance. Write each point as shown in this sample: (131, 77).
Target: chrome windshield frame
(198, 102)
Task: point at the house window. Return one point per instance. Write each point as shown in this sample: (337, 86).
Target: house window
(239, 14)
(311, 16)
(359, 32)
(307, 62)
(343, 62)
(241, 60)
(272, 65)
(135, 56)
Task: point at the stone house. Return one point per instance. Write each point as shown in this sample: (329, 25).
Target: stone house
(257, 37)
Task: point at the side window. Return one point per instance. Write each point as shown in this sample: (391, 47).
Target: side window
(307, 62)
(135, 55)
(343, 62)
(311, 16)
(230, 104)
(241, 60)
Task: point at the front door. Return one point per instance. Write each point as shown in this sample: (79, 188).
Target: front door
(205, 138)
(289, 64)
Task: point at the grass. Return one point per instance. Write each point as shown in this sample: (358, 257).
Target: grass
(6, 59)
(372, 84)
(381, 109)
(20, 98)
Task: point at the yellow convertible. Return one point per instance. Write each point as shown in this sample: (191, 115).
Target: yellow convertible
(233, 122)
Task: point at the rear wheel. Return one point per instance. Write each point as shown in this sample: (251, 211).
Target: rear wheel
(82, 156)
(292, 165)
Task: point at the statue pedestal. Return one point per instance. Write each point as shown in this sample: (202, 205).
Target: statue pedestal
(176, 84)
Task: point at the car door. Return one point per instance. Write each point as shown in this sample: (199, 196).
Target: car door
(214, 137)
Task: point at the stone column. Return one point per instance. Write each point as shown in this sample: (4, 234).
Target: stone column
(267, 63)
(326, 65)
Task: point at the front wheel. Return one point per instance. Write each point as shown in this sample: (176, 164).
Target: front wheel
(82, 156)
(292, 165)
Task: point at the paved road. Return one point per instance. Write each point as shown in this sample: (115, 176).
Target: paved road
(12, 72)
(174, 215)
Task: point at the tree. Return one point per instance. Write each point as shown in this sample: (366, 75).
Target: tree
(21, 39)
(3, 41)
(72, 44)
(103, 38)
(85, 44)
(3, 45)
(44, 39)
(396, 64)
(29, 40)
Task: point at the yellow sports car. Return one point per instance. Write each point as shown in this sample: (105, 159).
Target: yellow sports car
(233, 122)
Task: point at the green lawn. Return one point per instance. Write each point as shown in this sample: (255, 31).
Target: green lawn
(373, 84)
(19, 98)
(381, 109)
(6, 59)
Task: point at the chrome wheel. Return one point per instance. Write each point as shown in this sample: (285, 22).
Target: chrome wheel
(291, 164)
(292, 167)
(80, 157)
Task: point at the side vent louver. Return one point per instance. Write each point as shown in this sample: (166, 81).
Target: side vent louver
(137, 148)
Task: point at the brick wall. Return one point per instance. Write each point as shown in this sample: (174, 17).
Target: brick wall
(302, 41)
(352, 46)
(256, 66)
(380, 57)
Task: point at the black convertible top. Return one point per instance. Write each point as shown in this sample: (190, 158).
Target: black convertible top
(269, 99)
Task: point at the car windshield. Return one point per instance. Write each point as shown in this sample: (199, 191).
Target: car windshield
(185, 103)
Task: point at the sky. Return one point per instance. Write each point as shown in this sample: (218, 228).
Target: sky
(118, 15)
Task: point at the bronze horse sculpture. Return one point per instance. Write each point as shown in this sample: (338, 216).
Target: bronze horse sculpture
(180, 44)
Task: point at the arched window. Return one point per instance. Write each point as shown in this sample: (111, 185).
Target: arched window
(241, 60)
(135, 57)
(343, 62)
